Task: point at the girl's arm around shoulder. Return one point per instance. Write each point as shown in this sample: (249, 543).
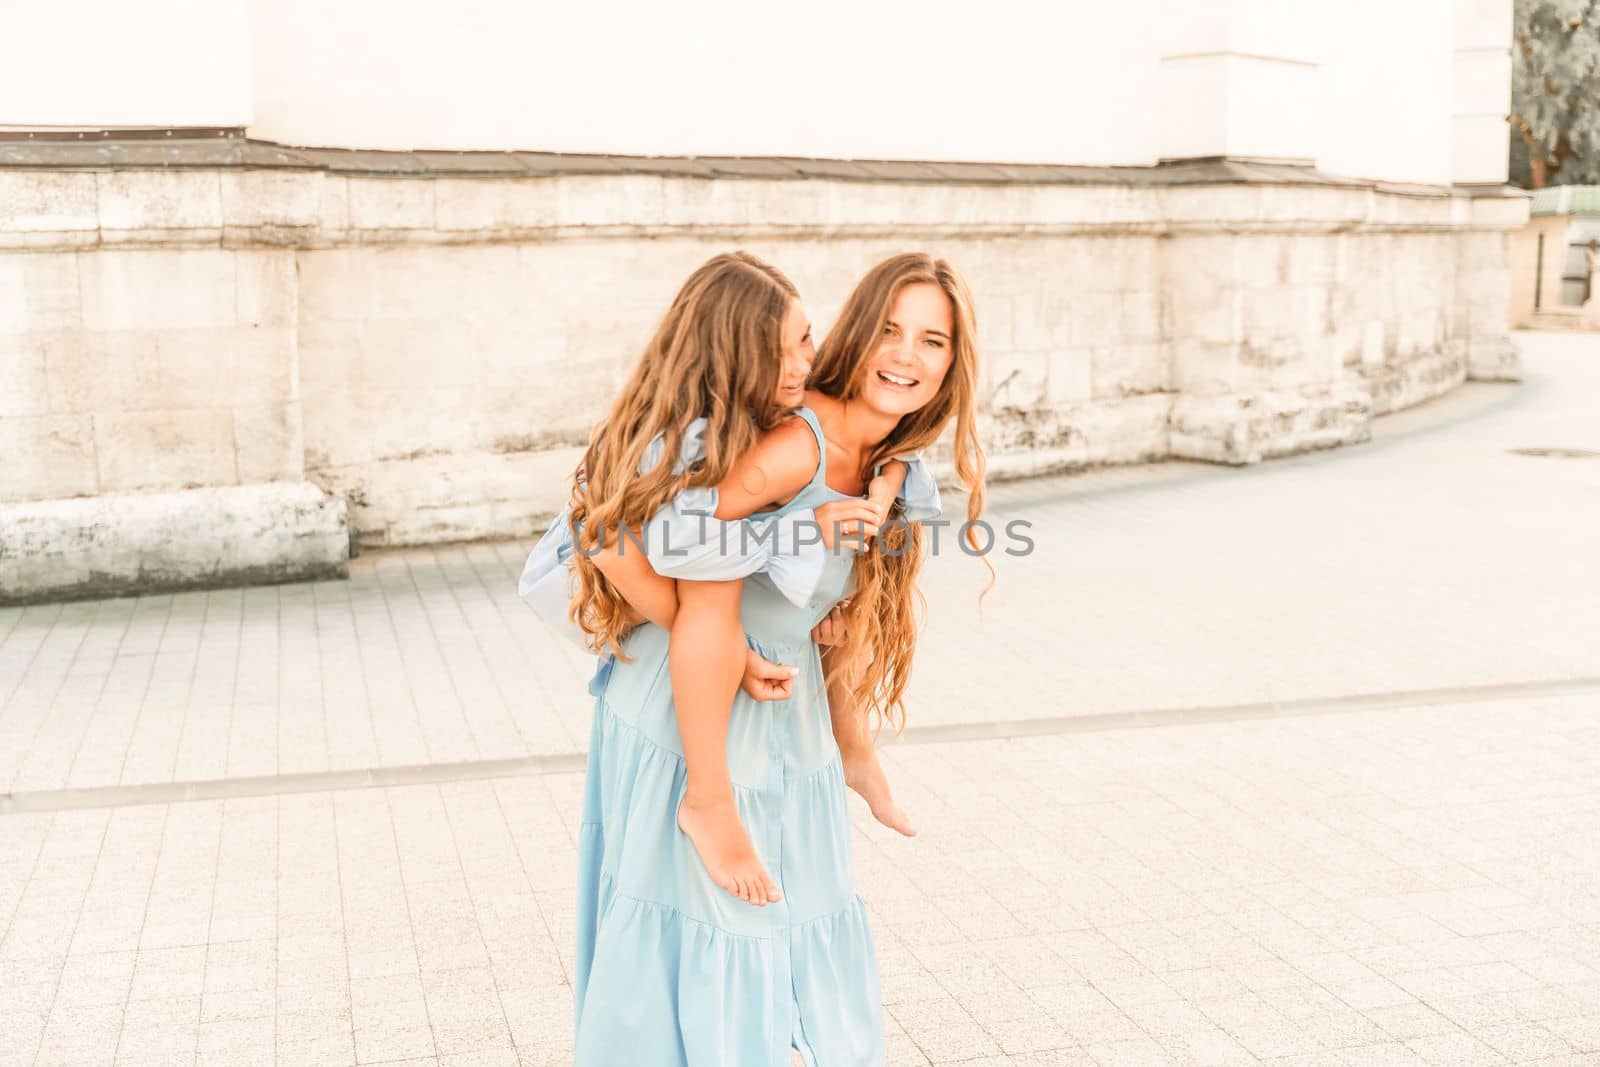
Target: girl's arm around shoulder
(781, 464)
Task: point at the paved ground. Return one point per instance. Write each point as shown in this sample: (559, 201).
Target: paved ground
(1384, 887)
(1413, 882)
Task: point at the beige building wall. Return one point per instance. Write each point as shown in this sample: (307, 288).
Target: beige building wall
(428, 352)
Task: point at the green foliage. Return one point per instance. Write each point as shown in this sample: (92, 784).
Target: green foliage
(1555, 92)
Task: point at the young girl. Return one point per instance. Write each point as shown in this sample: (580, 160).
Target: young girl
(707, 653)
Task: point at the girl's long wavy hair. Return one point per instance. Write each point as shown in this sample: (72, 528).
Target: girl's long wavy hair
(886, 608)
(717, 353)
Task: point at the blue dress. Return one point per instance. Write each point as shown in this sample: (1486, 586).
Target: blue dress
(673, 971)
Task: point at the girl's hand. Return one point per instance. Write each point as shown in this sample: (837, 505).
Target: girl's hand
(853, 522)
(883, 489)
(831, 630)
(765, 680)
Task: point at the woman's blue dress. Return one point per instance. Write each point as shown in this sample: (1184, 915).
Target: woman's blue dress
(673, 971)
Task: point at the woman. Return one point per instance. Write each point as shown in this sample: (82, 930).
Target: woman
(671, 970)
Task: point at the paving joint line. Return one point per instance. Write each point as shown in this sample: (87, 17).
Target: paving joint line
(51, 800)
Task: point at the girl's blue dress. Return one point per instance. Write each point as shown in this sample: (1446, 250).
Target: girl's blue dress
(671, 970)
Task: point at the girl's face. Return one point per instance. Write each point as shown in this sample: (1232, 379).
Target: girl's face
(913, 354)
(798, 355)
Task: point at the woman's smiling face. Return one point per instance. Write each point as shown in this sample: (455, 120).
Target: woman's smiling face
(913, 353)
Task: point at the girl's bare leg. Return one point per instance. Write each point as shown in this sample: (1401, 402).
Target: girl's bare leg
(707, 660)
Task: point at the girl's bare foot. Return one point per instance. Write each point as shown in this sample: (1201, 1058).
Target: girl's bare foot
(724, 847)
(864, 774)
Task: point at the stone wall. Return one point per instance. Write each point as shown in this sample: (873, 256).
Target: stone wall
(423, 351)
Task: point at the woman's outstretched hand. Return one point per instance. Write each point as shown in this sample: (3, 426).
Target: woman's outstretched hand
(765, 680)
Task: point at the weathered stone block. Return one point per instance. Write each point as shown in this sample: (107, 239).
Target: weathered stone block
(1071, 376)
(150, 542)
(1247, 428)
(995, 325)
(391, 203)
(1130, 368)
(1270, 314)
(1286, 361)
(1420, 332)
(847, 205)
(1141, 317)
(1203, 367)
(39, 292)
(1216, 317)
(1262, 260)
(1374, 348)
(1493, 359)
(175, 449)
(623, 200)
(46, 456)
(1310, 316)
(24, 388)
(208, 368)
(158, 290)
(267, 288)
(1039, 321)
(43, 201)
(269, 443)
(340, 428)
(443, 283)
(1312, 260)
(415, 353)
(155, 200)
(388, 421)
(335, 284)
(1045, 440)
(88, 371)
(451, 497)
(1096, 318)
(271, 198)
(329, 355)
(333, 207)
(1409, 381)
(499, 204)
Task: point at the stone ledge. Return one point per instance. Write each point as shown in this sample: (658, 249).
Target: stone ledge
(128, 543)
(1239, 429)
(1412, 380)
(459, 496)
(67, 210)
(229, 147)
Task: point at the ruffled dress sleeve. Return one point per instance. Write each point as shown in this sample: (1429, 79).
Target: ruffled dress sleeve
(545, 581)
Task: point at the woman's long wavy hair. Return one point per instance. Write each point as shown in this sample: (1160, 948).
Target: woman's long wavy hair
(717, 353)
(886, 607)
